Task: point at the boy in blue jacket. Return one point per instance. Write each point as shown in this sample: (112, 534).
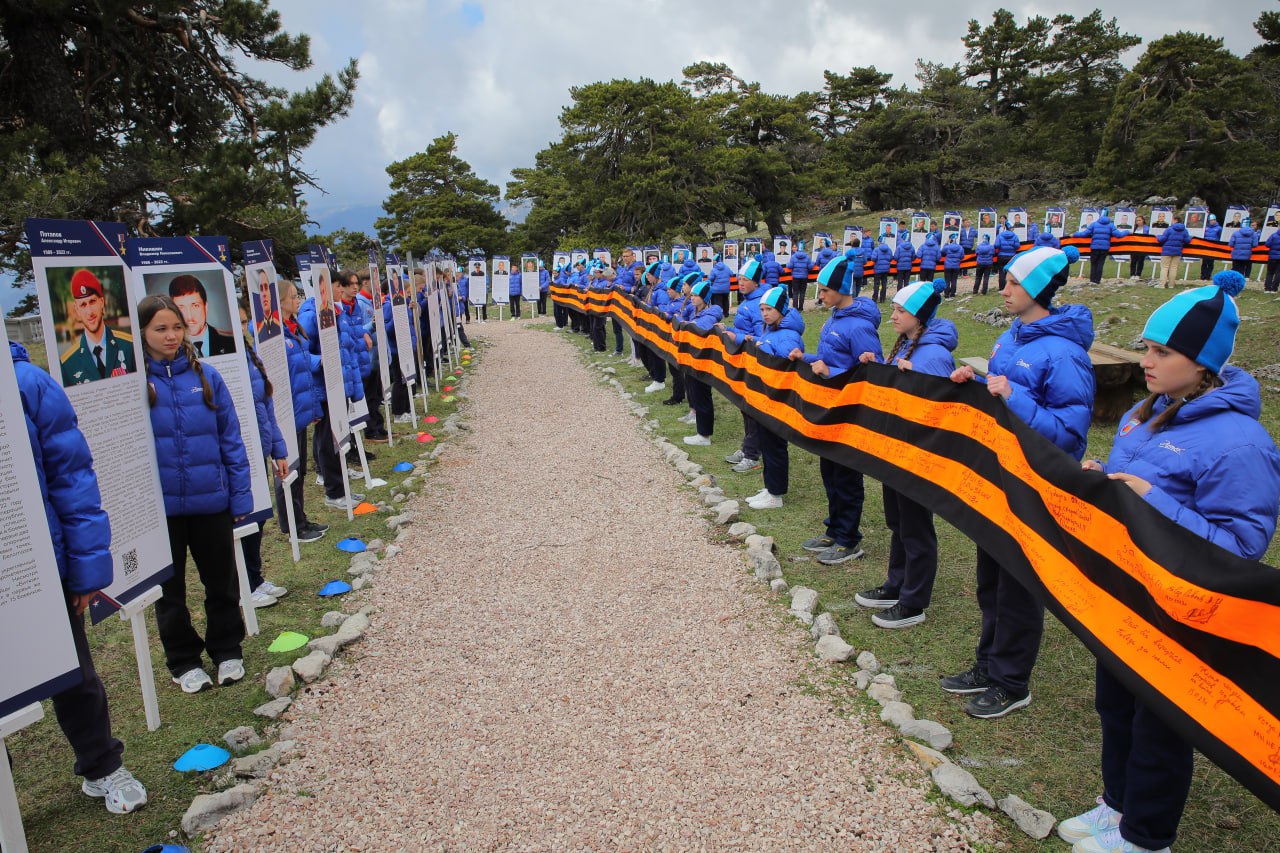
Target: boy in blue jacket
(882, 262)
(81, 535)
(905, 257)
(721, 280)
(705, 317)
(1040, 367)
(952, 258)
(1172, 241)
(747, 324)
(782, 331)
(1213, 232)
(1242, 243)
(1100, 233)
(848, 333)
(984, 258)
(1007, 245)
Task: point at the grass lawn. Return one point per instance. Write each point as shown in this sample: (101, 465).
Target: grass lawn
(1047, 754)
(57, 817)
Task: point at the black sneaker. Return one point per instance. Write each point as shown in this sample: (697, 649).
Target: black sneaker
(315, 525)
(878, 598)
(672, 401)
(898, 616)
(840, 553)
(970, 681)
(817, 543)
(310, 534)
(995, 702)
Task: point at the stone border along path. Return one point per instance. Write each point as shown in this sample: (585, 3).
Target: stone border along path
(559, 658)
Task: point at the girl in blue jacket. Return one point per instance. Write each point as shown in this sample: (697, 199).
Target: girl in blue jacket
(928, 256)
(984, 257)
(81, 536)
(705, 316)
(204, 474)
(303, 369)
(925, 343)
(1195, 451)
(882, 262)
(800, 266)
(782, 333)
(848, 333)
(265, 593)
(1242, 243)
(952, 258)
(1040, 367)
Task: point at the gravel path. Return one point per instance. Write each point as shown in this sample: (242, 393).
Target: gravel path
(565, 662)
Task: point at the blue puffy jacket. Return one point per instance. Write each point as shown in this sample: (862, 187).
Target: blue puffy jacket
(1213, 230)
(825, 254)
(544, 280)
(304, 367)
(952, 256)
(367, 314)
(847, 334)
(905, 255)
(968, 238)
(781, 339)
(666, 272)
(200, 452)
(928, 255)
(720, 277)
(628, 276)
(1048, 364)
(355, 329)
(689, 265)
(747, 319)
(772, 270)
(1174, 239)
(1100, 233)
(78, 526)
(350, 332)
(1273, 247)
(268, 430)
(932, 354)
(800, 265)
(1215, 470)
(660, 299)
(464, 290)
(984, 254)
(857, 263)
(707, 317)
(1033, 231)
(1007, 244)
(350, 359)
(1242, 243)
(881, 258)
(388, 323)
(1046, 238)
(515, 283)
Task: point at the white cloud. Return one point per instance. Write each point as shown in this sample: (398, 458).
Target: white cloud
(426, 69)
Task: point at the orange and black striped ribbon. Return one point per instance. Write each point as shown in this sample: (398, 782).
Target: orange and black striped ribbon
(1193, 630)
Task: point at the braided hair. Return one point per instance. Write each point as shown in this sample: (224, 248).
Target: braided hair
(1143, 413)
(249, 350)
(148, 308)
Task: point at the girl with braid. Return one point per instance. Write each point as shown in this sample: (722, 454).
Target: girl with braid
(1196, 452)
(204, 475)
(925, 343)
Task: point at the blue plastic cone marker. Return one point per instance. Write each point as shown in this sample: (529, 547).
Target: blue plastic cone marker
(202, 756)
(351, 545)
(334, 588)
(403, 466)
(288, 641)
(166, 848)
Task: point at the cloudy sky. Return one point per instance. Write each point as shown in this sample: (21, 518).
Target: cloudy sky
(497, 72)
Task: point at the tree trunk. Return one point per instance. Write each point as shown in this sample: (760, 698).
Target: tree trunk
(774, 222)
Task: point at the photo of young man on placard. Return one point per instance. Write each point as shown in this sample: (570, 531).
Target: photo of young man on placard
(266, 317)
(203, 307)
(88, 304)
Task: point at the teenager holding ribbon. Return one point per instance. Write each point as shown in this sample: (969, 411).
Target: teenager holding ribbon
(705, 316)
(1195, 451)
(782, 332)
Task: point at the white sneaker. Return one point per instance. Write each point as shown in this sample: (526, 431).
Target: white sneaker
(121, 791)
(272, 589)
(634, 362)
(768, 501)
(1110, 841)
(403, 418)
(194, 680)
(689, 418)
(734, 458)
(319, 480)
(758, 495)
(230, 671)
(1098, 819)
(697, 440)
(340, 503)
(654, 386)
(261, 599)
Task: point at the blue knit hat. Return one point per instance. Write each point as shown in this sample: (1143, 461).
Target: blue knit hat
(701, 290)
(753, 270)
(1042, 270)
(1201, 323)
(921, 299)
(776, 298)
(836, 275)
(653, 269)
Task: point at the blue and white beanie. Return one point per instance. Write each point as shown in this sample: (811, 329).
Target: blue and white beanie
(753, 270)
(653, 269)
(776, 298)
(701, 290)
(836, 275)
(921, 299)
(1200, 323)
(1042, 270)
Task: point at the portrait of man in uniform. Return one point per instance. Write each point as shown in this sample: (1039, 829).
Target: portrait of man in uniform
(189, 294)
(324, 297)
(730, 250)
(98, 351)
(266, 317)
(500, 268)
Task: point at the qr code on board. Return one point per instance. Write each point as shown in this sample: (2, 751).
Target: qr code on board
(129, 562)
